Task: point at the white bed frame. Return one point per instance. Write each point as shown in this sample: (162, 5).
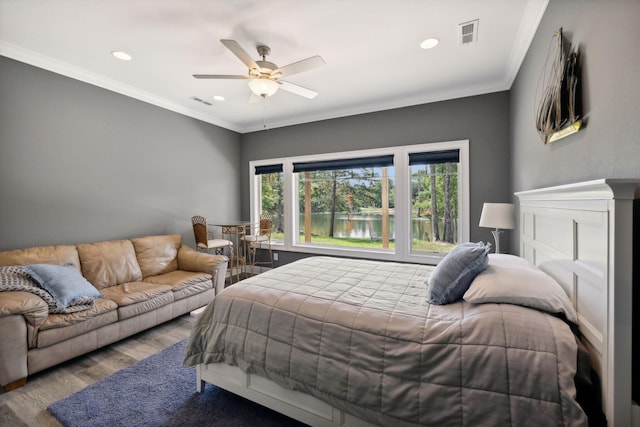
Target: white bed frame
(297, 405)
(582, 235)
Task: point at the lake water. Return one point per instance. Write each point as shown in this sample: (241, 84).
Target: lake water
(364, 226)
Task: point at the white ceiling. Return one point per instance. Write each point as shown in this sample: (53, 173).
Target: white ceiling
(371, 49)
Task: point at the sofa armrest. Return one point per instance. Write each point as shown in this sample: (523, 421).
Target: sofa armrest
(33, 308)
(21, 314)
(30, 306)
(191, 260)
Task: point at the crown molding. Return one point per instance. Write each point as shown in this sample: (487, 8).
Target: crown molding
(531, 18)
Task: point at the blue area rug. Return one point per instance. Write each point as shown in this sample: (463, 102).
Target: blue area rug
(158, 391)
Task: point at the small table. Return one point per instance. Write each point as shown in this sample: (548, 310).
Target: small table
(234, 231)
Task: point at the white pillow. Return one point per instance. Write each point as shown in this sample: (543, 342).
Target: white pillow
(511, 261)
(526, 285)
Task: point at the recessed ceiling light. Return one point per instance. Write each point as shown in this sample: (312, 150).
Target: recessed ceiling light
(218, 98)
(121, 55)
(430, 43)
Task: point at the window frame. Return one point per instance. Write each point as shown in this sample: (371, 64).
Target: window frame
(403, 206)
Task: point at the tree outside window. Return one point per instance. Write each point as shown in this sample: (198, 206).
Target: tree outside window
(347, 207)
(434, 207)
(272, 202)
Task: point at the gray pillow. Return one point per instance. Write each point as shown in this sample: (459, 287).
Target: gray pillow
(64, 282)
(453, 275)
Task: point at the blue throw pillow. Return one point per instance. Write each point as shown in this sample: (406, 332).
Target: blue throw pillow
(453, 275)
(63, 282)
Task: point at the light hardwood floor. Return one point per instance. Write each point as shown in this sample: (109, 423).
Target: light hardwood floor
(27, 405)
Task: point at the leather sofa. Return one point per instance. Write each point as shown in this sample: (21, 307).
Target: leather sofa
(142, 282)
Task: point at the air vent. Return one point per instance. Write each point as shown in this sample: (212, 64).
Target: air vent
(195, 98)
(468, 32)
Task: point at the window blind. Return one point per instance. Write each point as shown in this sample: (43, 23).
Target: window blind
(268, 169)
(360, 162)
(434, 157)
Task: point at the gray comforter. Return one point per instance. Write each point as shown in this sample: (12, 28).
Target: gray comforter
(361, 336)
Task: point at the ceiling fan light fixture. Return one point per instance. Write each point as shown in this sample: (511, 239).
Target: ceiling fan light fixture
(263, 86)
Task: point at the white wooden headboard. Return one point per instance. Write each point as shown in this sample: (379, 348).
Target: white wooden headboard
(582, 235)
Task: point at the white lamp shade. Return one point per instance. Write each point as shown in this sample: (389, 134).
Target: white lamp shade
(263, 86)
(498, 215)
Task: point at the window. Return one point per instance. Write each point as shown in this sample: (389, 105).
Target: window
(271, 201)
(346, 202)
(407, 203)
(434, 200)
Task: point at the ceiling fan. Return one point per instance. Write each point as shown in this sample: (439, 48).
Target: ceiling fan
(264, 76)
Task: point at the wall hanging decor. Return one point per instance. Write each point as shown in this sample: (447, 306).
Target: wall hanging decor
(558, 97)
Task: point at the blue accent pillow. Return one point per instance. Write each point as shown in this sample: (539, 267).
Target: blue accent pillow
(453, 275)
(63, 282)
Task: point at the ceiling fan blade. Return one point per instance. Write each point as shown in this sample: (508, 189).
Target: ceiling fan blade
(242, 54)
(219, 76)
(300, 66)
(298, 90)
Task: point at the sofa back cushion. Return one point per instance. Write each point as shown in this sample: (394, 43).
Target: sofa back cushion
(109, 263)
(157, 254)
(58, 255)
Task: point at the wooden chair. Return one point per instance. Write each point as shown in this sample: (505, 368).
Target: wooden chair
(259, 238)
(204, 243)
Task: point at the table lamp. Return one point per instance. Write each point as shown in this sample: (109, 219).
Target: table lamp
(498, 216)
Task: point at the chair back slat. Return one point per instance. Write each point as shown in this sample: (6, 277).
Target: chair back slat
(200, 230)
(265, 226)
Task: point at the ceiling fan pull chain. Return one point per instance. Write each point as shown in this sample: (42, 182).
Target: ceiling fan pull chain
(265, 120)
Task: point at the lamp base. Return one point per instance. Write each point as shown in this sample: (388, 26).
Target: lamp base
(496, 236)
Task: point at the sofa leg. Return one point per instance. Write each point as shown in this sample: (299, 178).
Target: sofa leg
(16, 384)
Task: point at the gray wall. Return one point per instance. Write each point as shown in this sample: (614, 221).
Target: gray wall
(79, 163)
(607, 33)
(483, 120)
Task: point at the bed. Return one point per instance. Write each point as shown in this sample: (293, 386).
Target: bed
(332, 341)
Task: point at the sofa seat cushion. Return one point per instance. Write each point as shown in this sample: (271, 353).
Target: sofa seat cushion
(60, 327)
(136, 298)
(157, 254)
(134, 292)
(184, 283)
(145, 306)
(179, 279)
(196, 288)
